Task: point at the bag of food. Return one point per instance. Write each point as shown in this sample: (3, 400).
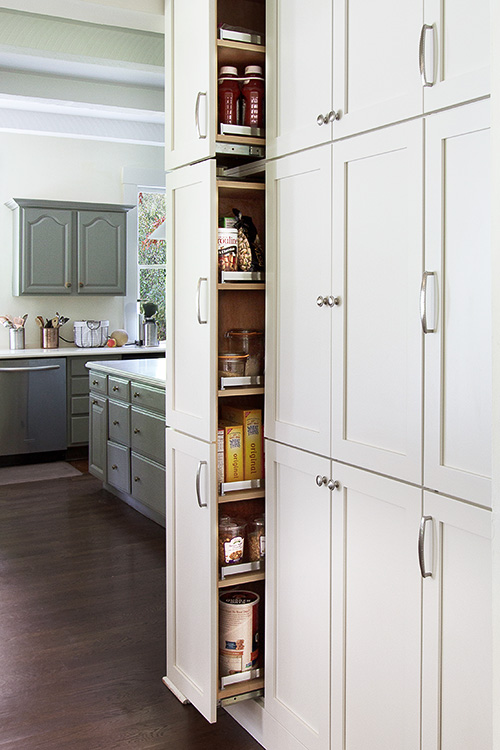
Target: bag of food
(250, 252)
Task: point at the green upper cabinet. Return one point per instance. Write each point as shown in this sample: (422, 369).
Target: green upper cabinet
(69, 248)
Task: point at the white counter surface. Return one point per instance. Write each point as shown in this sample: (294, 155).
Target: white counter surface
(149, 371)
(77, 351)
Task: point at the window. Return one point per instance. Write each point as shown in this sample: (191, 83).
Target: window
(151, 254)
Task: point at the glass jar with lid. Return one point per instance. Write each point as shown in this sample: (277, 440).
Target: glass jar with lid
(231, 540)
(252, 343)
(257, 539)
(232, 364)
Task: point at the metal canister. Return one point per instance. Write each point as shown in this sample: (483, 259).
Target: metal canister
(238, 631)
(150, 333)
(16, 338)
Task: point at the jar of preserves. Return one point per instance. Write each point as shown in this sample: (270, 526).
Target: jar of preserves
(231, 540)
(253, 97)
(229, 95)
(257, 539)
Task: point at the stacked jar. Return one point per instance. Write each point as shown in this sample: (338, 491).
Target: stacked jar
(240, 540)
(245, 105)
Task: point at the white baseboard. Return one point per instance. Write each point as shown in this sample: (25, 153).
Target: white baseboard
(253, 717)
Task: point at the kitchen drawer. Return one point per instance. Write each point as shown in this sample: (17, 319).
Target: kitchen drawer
(80, 405)
(79, 386)
(118, 388)
(118, 465)
(79, 429)
(148, 397)
(98, 383)
(119, 422)
(148, 483)
(147, 435)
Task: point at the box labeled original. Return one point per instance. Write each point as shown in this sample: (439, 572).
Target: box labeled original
(251, 419)
(233, 451)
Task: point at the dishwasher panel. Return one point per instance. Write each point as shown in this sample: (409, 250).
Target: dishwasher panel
(32, 405)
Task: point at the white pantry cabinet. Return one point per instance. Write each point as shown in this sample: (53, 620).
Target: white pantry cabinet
(191, 318)
(456, 304)
(298, 576)
(348, 66)
(299, 274)
(190, 122)
(457, 625)
(191, 515)
(377, 264)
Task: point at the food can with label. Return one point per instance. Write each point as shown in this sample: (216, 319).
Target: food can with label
(238, 631)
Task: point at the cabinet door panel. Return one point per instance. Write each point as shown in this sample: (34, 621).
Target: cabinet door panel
(458, 355)
(376, 611)
(101, 252)
(191, 572)
(46, 251)
(189, 87)
(191, 332)
(298, 360)
(299, 83)
(458, 52)
(298, 594)
(377, 251)
(375, 64)
(98, 414)
(457, 638)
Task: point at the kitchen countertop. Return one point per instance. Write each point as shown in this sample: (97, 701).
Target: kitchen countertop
(149, 371)
(78, 351)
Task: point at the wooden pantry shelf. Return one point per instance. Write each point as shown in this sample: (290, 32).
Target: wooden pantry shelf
(244, 139)
(230, 497)
(242, 579)
(240, 185)
(240, 392)
(231, 286)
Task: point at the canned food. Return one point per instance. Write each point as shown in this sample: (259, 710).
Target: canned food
(238, 631)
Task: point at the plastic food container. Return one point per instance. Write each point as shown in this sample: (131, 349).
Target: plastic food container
(227, 247)
(252, 343)
(89, 333)
(232, 364)
(257, 539)
(231, 540)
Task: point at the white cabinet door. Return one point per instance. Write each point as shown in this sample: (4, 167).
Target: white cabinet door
(299, 74)
(298, 593)
(458, 345)
(375, 63)
(456, 49)
(377, 263)
(298, 359)
(457, 637)
(376, 611)
(190, 79)
(191, 283)
(191, 572)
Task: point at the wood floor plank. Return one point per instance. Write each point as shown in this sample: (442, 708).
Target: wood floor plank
(82, 627)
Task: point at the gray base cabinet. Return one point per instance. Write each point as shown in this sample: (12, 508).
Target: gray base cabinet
(69, 248)
(130, 431)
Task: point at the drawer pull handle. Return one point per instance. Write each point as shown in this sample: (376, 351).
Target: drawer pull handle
(95, 402)
(114, 467)
(136, 395)
(136, 430)
(115, 422)
(116, 388)
(95, 382)
(68, 284)
(137, 479)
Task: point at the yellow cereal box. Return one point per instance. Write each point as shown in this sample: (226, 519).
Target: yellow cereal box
(233, 452)
(251, 419)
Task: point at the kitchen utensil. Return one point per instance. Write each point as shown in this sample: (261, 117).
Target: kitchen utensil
(149, 309)
(39, 321)
(5, 321)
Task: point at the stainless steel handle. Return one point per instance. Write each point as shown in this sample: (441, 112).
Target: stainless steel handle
(197, 113)
(198, 483)
(330, 301)
(423, 302)
(320, 481)
(198, 296)
(321, 120)
(421, 54)
(29, 369)
(421, 540)
(320, 301)
(332, 116)
(333, 484)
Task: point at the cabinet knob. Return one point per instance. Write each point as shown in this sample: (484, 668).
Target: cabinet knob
(115, 422)
(333, 485)
(321, 119)
(114, 466)
(137, 479)
(136, 431)
(67, 284)
(116, 387)
(95, 402)
(136, 395)
(332, 301)
(332, 116)
(320, 481)
(80, 284)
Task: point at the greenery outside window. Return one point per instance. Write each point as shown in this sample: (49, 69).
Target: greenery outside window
(151, 255)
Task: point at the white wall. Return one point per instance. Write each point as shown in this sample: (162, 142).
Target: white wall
(55, 168)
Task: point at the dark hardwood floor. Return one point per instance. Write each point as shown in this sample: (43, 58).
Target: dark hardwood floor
(82, 627)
